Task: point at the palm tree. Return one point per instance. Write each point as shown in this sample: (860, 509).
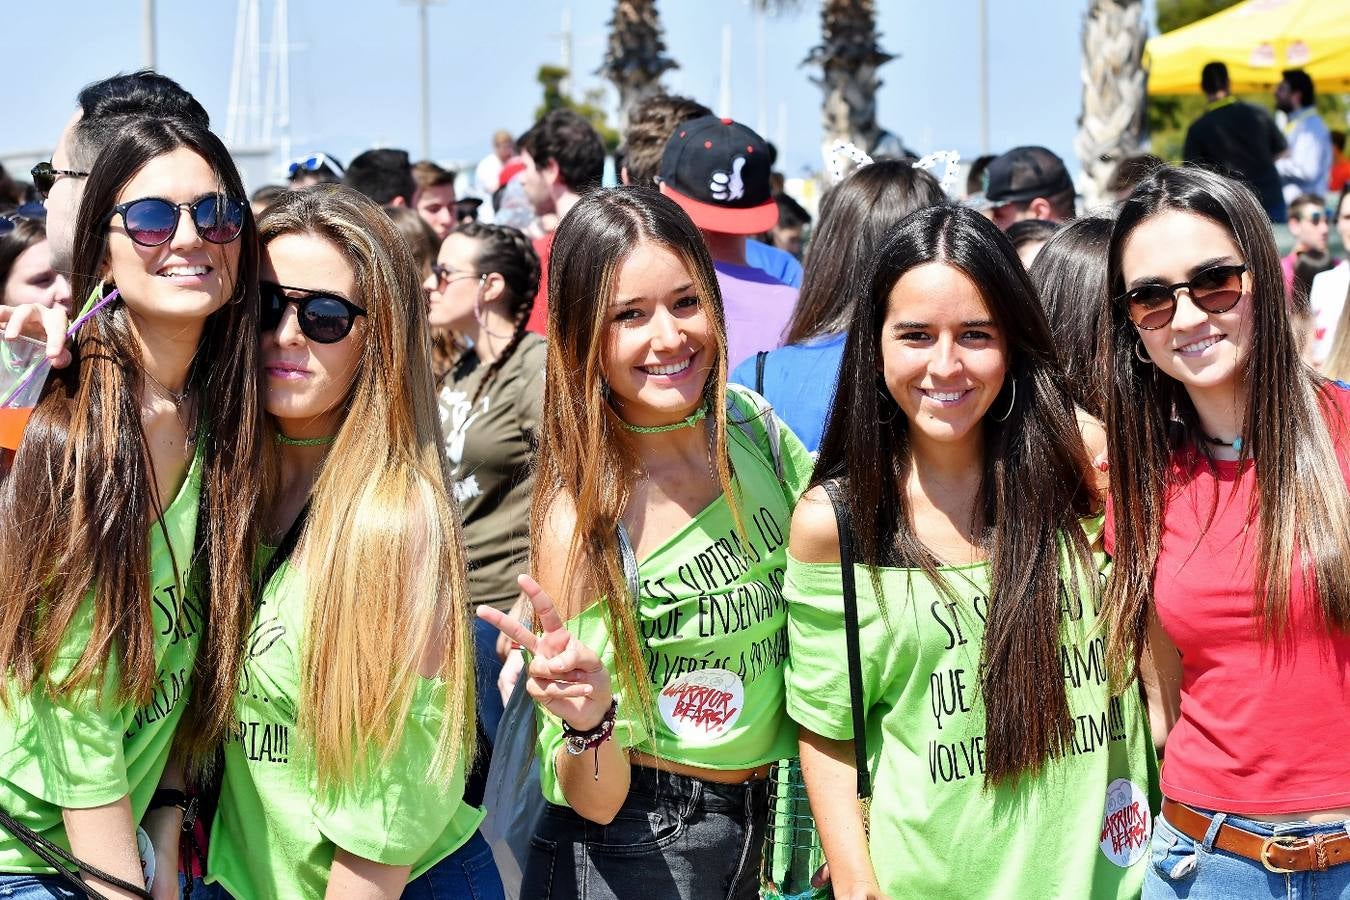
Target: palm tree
(1115, 89)
(849, 57)
(635, 58)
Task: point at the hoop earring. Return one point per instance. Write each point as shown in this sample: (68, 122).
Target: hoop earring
(886, 397)
(1140, 354)
(1011, 404)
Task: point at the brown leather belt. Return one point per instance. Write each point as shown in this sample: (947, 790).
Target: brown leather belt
(1278, 853)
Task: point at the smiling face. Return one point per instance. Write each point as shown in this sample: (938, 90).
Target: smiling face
(660, 344)
(943, 358)
(307, 382)
(186, 278)
(1201, 350)
(33, 280)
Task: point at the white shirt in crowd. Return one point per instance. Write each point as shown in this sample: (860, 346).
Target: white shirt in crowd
(1306, 168)
(1327, 298)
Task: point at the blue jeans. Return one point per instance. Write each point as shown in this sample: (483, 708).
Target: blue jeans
(674, 838)
(470, 873)
(34, 887)
(1197, 870)
(490, 704)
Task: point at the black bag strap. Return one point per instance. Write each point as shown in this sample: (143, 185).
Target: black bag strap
(851, 636)
(760, 358)
(59, 858)
(283, 553)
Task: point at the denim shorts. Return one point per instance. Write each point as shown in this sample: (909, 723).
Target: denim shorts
(674, 838)
(19, 886)
(1197, 870)
(470, 873)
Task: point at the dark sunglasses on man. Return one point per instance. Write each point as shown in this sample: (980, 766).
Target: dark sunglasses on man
(45, 174)
(1216, 289)
(323, 317)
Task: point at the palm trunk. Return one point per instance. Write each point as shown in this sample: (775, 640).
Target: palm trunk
(1115, 85)
(849, 57)
(635, 58)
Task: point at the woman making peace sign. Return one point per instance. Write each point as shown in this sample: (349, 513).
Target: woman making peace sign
(661, 712)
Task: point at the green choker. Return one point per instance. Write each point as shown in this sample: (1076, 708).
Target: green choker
(303, 442)
(662, 429)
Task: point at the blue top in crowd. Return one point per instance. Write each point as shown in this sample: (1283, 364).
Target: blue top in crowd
(799, 380)
(778, 263)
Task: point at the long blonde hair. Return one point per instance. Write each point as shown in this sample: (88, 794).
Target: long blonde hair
(584, 452)
(382, 546)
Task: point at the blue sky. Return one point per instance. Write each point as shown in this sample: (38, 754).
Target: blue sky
(354, 72)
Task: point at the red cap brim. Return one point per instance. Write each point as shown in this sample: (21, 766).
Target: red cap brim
(726, 219)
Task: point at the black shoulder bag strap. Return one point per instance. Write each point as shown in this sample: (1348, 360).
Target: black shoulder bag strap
(59, 858)
(851, 636)
(760, 358)
(284, 551)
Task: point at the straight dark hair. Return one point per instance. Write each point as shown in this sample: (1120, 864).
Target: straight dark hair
(1033, 488)
(1070, 275)
(79, 504)
(1300, 498)
(854, 216)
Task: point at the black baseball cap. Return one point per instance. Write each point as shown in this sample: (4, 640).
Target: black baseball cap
(1025, 173)
(717, 170)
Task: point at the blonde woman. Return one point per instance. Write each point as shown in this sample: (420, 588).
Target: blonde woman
(355, 710)
(662, 708)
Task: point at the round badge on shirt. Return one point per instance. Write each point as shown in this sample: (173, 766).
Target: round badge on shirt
(1127, 825)
(702, 706)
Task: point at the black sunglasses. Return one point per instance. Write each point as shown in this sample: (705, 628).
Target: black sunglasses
(1215, 290)
(45, 175)
(152, 221)
(323, 318)
(29, 211)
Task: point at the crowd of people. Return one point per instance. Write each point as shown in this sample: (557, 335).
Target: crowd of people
(553, 540)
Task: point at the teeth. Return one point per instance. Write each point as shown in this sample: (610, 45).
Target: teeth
(945, 396)
(667, 370)
(1200, 345)
(172, 271)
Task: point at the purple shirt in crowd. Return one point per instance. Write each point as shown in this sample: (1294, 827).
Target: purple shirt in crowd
(757, 308)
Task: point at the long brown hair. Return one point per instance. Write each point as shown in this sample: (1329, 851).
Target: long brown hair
(1300, 498)
(854, 216)
(579, 424)
(1032, 491)
(79, 504)
(382, 548)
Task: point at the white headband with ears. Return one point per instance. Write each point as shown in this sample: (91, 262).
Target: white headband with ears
(844, 151)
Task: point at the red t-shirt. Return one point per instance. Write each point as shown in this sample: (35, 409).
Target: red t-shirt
(538, 322)
(1264, 725)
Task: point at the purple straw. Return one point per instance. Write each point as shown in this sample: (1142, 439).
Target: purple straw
(84, 317)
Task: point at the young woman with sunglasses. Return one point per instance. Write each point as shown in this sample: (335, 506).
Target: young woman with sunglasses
(660, 713)
(1001, 763)
(126, 524)
(482, 288)
(345, 777)
(1230, 528)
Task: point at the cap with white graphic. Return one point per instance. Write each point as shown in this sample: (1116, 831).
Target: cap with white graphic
(717, 170)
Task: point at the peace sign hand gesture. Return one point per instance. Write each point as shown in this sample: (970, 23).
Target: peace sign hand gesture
(564, 676)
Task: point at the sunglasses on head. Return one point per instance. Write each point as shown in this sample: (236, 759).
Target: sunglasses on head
(1216, 289)
(152, 221)
(29, 211)
(45, 175)
(323, 318)
(314, 163)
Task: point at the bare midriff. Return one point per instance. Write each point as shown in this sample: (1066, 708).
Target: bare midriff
(719, 776)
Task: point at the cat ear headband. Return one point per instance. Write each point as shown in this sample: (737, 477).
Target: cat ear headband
(842, 152)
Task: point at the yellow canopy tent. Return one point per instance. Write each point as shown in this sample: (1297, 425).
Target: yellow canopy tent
(1256, 39)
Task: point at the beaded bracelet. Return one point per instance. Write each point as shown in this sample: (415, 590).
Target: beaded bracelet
(578, 742)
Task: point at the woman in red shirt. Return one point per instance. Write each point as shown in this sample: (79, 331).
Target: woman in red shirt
(1231, 535)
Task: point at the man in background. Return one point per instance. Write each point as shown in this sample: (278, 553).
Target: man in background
(385, 176)
(1306, 168)
(1237, 139)
(1029, 183)
(434, 198)
(564, 158)
(487, 176)
(717, 170)
(1310, 225)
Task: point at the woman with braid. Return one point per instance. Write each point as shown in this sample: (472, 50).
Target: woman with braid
(482, 287)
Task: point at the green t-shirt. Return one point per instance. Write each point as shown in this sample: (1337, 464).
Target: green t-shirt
(275, 834)
(1078, 829)
(711, 613)
(91, 748)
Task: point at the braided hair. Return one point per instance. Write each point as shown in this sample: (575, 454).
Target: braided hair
(509, 253)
